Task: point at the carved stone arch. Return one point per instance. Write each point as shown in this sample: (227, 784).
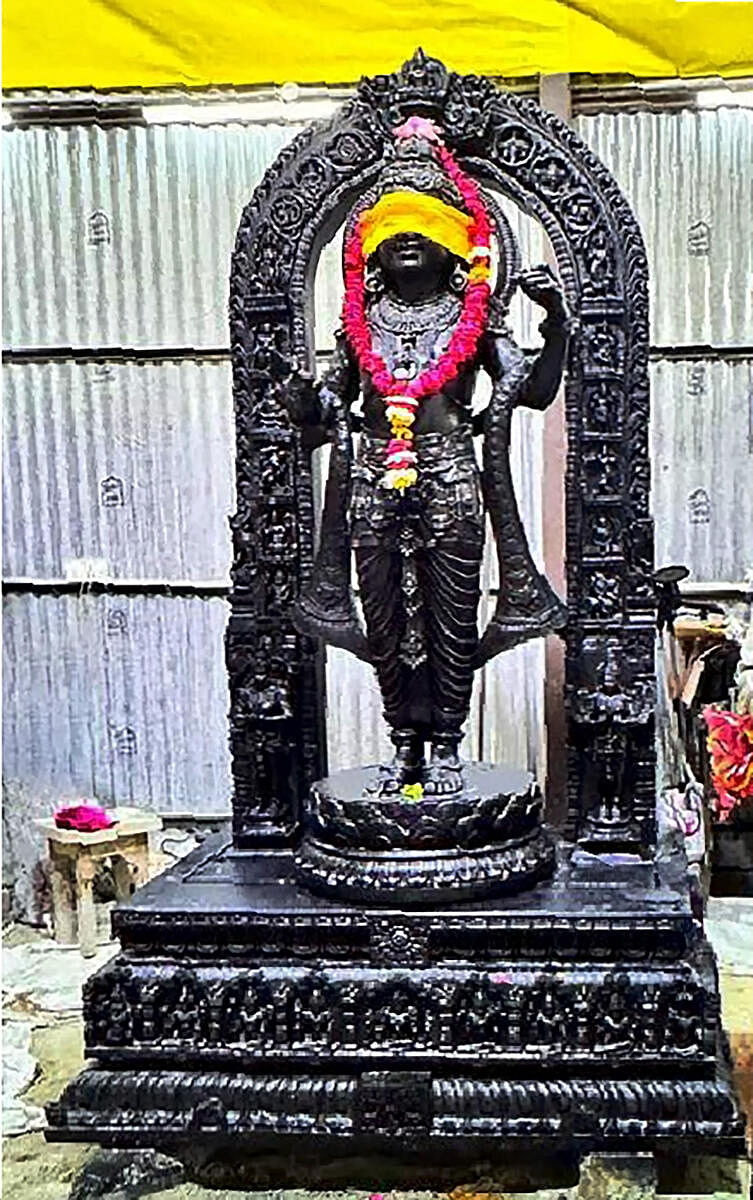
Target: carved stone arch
(276, 676)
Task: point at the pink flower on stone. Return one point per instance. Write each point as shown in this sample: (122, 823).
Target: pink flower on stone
(417, 127)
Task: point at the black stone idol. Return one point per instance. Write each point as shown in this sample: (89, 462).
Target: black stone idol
(402, 955)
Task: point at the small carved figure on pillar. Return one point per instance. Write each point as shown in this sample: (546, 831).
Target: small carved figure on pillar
(609, 712)
(420, 320)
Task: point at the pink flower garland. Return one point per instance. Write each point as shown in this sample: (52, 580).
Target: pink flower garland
(407, 394)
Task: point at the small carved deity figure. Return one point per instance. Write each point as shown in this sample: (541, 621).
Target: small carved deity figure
(420, 320)
(614, 1024)
(184, 1020)
(683, 1025)
(610, 710)
(404, 1019)
(266, 694)
(546, 1019)
(257, 1016)
(272, 471)
(480, 1020)
(393, 1018)
(115, 1026)
(312, 1015)
(231, 1024)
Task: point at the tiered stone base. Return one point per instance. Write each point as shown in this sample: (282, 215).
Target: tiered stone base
(486, 840)
(245, 1011)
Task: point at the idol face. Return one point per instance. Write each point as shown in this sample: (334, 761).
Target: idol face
(413, 255)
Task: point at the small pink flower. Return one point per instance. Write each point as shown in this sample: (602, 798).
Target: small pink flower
(417, 127)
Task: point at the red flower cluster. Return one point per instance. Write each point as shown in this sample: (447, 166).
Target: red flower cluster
(730, 745)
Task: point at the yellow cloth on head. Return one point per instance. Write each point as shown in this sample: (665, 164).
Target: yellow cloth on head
(415, 212)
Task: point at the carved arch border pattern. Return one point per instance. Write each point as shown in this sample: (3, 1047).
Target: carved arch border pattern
(276, 676)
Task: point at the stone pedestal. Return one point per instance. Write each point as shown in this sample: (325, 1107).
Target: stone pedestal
(583, 1013)
(484, 840)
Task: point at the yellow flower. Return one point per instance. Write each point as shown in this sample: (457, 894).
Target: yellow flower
(412, 791)
(400, 478)
(479, 274)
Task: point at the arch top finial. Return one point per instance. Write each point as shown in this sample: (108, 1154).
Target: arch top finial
(424, 86)
(419, 85)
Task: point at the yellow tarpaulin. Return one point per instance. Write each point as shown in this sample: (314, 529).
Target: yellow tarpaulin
(128, 43)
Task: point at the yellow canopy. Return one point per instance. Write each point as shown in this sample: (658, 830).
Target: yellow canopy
(152, 43)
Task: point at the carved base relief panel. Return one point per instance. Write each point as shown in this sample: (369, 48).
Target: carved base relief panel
(576, 1011)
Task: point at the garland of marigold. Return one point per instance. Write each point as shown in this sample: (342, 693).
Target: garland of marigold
(403, 398)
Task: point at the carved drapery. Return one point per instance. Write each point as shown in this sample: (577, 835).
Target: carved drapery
(276, 676)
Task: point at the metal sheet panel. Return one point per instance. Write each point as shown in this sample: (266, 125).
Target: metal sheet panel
(127, 468)
(689, 177)
(122, 237)
(513, 709)
(702, 439)
(119, 698)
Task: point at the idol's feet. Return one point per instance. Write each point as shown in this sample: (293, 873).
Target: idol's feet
(406, 767)
(444, 775)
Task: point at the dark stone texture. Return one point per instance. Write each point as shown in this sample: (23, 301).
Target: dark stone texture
(580, 1012)
(484, 840)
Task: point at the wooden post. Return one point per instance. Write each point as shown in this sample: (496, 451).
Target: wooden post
(554, 95)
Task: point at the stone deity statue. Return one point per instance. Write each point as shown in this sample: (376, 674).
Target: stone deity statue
(420, 320)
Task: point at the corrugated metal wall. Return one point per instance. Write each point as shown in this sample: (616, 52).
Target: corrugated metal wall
(118, 470)
(689, 177)
(120, 697)
(122, 237)
(702, 434)
(128, 464)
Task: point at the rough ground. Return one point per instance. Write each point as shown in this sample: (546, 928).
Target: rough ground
(43, 1049)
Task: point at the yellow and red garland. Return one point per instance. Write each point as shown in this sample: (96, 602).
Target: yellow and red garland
(466, 235)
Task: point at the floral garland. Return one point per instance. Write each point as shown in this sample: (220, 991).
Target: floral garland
(403, 398)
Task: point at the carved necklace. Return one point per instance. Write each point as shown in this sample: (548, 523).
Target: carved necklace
(409, 337)
(403, 396)
(398, 316)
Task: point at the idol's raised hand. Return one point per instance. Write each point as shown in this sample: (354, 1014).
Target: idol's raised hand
(541, 285)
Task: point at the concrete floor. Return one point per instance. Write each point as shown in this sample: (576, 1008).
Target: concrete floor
(43, 1049)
